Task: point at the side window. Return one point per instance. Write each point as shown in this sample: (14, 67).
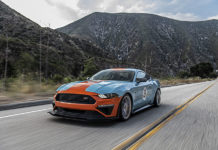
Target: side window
(140, 75)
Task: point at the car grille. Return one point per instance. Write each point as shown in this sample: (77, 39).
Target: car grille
(75, 98)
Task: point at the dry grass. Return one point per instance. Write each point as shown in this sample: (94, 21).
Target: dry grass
(178, 81)
(18, 90)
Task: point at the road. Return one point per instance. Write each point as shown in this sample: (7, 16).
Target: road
(194, 128)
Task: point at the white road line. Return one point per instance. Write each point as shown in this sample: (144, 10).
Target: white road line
(24, 113)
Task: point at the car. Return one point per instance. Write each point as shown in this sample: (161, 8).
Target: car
(109, 94)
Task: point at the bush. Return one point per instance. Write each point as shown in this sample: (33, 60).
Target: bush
(202, 70)
(20, 86)
(81, 78)
(89, 67)
(67, 79)
(212, 75)
(57, 78)
(25, 63)
(183, 74)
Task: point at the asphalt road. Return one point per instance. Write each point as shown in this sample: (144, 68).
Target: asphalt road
(194, 128)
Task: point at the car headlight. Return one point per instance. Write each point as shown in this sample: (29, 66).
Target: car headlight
(108, 96)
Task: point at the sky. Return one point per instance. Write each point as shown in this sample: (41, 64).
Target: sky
(58, 13)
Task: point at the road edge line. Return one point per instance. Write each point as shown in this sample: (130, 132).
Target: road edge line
(25, 104)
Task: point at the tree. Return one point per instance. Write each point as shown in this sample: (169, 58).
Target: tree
(6, 62)
(25, 63)
(202, 70)
(89, 67)
(183, 74)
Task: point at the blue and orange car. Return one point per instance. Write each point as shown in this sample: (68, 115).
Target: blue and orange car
(109, 94)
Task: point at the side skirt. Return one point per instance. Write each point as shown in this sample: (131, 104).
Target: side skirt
(142, 108)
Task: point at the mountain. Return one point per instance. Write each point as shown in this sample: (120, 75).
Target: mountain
(159, 45)
(60, 53)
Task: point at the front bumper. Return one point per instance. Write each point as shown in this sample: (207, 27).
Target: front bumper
(78, 114)
(100, 110)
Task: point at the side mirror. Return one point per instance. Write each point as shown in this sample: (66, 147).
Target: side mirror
(87, 78)
(141, 80)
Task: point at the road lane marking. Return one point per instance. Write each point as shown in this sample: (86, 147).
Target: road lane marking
(137, 139)
(1, 117)
(157, 128)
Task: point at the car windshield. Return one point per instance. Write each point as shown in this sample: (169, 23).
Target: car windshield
(120, 75)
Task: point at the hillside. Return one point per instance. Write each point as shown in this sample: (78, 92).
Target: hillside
(160, 45)
(60, 54)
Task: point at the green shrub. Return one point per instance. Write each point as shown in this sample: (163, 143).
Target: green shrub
(67, 79)
(202, 70)
(81, 78)
(183, 74)
(57, 78)
(89, 68)
(212, 75)
(25, 63)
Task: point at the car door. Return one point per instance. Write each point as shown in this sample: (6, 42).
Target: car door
(150, 89)
(141, 90)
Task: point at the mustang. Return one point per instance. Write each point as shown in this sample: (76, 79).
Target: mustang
(109, 94)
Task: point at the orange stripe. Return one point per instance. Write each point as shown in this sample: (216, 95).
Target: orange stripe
(80, 88)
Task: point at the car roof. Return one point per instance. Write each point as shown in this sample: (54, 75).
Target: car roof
(130, 69)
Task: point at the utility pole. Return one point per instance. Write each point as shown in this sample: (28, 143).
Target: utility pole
(46, 58)
(146, 63)
(6, 63)
(40, 57)
(151, 61)
(5, 31)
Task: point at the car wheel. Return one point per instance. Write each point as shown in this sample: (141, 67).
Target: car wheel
(157, 98)
(125, 108)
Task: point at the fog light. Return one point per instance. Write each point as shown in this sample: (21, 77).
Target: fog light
(106, 109)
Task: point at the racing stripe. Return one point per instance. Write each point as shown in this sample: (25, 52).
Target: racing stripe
(67, 86)
(96, 87)
(80, 87)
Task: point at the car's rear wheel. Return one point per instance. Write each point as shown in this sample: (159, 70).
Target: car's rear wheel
(125, 107)
(157, 98)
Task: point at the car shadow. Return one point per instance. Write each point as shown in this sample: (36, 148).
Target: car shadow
(151, 113)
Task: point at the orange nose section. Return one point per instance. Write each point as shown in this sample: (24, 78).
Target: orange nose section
(80, 88)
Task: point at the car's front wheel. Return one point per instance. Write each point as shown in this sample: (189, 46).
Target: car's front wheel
(125, 107)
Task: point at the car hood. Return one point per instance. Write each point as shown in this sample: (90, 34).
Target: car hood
(100, 87)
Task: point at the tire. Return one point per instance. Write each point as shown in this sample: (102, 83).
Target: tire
(125, 108)
(157, 98)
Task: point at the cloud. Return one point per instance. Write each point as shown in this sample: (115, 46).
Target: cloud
(62, 12)
(213, 17)
(176, 9)
(50, 2)
(66, 11)
(89, 4)
(73, 10)
(181, 16)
